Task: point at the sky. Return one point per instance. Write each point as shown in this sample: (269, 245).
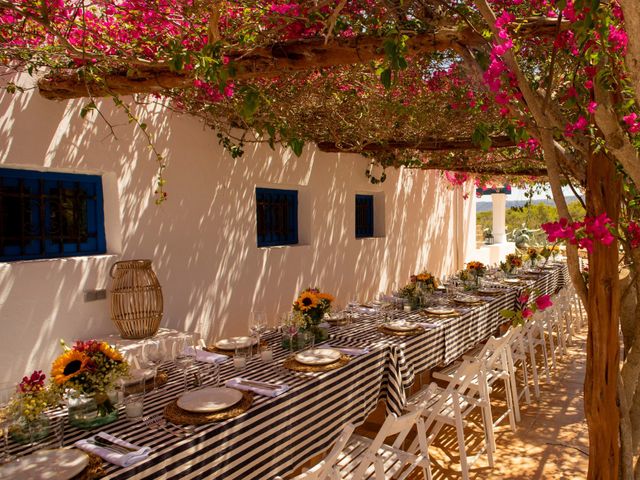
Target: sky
(518, 194)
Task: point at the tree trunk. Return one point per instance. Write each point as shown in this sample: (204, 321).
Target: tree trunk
(603, 307)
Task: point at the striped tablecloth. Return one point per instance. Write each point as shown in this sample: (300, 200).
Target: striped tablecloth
(276, 435)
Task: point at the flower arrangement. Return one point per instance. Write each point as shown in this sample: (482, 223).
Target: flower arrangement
(425, 281)
(533, 254)
(525, 308)
(312, 304)
(32, 397)
(476, 269)
(511, 262)
(88, 368)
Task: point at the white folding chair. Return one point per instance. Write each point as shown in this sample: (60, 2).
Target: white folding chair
(495, 358)
(355, 457)
(535, 333)
(451, 406)
(519, 358)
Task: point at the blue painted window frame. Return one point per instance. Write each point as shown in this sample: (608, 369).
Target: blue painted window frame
(37, 189)
(364, 216)
(276, 217)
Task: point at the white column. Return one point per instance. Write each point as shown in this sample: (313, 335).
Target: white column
(499, 201)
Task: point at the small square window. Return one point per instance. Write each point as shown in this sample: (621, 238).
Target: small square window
(49, 215)
(277, 217)
(364, 216)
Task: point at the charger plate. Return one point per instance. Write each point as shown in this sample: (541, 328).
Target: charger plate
(209, 400)
(318, 356)
(175, 414)
(292, 364)
(407, 333)
(440, 311)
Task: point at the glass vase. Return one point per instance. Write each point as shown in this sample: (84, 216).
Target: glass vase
(24, 430)
(90, 411)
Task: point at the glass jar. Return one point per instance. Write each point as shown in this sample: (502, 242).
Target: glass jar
(90, 411)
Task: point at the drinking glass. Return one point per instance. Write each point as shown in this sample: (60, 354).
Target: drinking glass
(242, 354)
(153, 355)
(258, 322)
(185, 356)
(7, 390)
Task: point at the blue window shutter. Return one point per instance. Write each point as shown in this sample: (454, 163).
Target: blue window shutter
(49, 215)
(276, 217)
(364, 216)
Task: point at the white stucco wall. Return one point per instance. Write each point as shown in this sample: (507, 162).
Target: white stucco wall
(202, 241)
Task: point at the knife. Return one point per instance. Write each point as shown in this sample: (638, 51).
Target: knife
(252, 383)
(110, 443)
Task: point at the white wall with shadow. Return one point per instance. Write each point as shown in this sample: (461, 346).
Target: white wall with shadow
(202, 241)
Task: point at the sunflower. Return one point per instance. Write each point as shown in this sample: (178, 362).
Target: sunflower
(68, 365)
(326, 296)
(110, 352)
(307, 300)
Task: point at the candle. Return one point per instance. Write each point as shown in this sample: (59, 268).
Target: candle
(239, 362)
(407, 308)
(266, 355)
(133, 408)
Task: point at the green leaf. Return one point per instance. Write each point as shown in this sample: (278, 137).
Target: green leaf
(87, 108)
(385, 78)
(481, 137)
(507, 313)
(296, 145)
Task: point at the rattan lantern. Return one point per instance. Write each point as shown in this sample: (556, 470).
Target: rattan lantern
(136, 299)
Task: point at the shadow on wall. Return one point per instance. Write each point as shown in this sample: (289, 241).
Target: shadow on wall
(202, 241)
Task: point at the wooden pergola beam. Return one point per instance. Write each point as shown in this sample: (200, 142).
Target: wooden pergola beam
(492, 170)
(276, 60)
(424, 145)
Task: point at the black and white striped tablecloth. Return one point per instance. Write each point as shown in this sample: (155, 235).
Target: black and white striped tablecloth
(276, 435)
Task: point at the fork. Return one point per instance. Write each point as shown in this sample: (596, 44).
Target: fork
(159, 422)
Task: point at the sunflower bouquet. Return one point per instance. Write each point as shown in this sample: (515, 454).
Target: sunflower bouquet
(511, 262)
(476, 269)
(89, 370)
(533, 254)
(425, 281)
(312, 304)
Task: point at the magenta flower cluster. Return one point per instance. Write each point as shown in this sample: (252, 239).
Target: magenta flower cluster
(583, 234)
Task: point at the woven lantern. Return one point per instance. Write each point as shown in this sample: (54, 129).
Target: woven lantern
(136, 299)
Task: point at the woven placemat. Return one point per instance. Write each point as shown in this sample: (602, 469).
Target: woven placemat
(470, 304)
(396, 333)
(175, 414)
(93, 470)
(292, 364)
(161, 378)
(456, 313)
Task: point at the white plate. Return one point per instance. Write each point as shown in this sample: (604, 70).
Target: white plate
(210, 399)
(59, 464)
(512, 280)
(318, 356)
(400, 326)
(233, 342)
(138, 374)
(467, 300)
(440, 310)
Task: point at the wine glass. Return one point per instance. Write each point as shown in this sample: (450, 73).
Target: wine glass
(153, 354)
(258, 324)
(7, 390)
(185, 355)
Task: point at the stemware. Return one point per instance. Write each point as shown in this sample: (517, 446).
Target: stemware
(258, 323)
(185, 355)
(153, 354)
(7, 390)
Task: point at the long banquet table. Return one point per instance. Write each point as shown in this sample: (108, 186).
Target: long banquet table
(277, 435)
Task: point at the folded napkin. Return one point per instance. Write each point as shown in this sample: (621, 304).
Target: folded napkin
(254, 386)
(354, 352)
(123, 460)
(208, 357)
